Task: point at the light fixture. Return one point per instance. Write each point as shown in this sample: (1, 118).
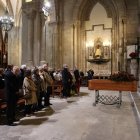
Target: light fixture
(6, 22)
(107, 43)
(90, 44)
(28, 0)
(46, 7)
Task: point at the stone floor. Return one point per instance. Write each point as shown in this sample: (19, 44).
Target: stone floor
(135, 97)
(76, 118)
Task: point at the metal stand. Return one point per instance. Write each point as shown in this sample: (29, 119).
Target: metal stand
(108, 100)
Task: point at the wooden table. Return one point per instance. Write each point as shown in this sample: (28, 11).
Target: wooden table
(102, 84)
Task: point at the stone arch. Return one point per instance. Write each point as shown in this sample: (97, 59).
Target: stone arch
(87, 6)
(2, 6)
(83, 8)
(114, 9)
(9, 6)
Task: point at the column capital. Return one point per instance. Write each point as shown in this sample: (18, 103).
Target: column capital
(43, 18)
(123, 20)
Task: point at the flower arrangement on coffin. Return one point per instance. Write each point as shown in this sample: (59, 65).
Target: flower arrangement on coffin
(122, 76)
(133, 54)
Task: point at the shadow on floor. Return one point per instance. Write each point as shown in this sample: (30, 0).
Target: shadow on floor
(32, 121)
(28, 120)
(76, 97)
(43, 113)
(83, 94)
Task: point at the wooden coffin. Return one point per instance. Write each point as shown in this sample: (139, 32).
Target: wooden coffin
(97, 84)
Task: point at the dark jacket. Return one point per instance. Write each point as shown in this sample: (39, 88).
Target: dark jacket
(11, 84)
(1, 82)
(66, 77)
(77, 75)
(21, 78)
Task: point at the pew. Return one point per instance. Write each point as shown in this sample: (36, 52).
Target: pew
(57, 88)
(3, 105)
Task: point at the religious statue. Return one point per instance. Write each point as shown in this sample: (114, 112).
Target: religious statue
(98, 48)
(98, 53)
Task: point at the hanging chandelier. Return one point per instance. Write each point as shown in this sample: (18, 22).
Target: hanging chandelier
(6, 22)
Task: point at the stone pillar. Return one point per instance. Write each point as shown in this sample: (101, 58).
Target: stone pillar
(133, 67)
(30, 35)
(37, 38)
(43, 41)
(114, 45)
(76, 38)
(139, 50)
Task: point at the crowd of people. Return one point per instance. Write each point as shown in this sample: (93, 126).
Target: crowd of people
(36, 85)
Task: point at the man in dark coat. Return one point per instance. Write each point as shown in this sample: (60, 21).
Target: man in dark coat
(66, 81)
(78, 80)
(11, 86)
(48, 83)
(1, 78)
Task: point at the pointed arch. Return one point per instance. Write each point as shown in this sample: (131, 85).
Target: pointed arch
(87, 6)
(10, 8)
(2, 5)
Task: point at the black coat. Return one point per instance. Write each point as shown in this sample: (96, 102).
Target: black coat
(66, 77)
(77, 75)
(11, 84)
(1, 82)
(21, 78)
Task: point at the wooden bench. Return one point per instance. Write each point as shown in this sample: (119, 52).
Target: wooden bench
(3, 104)
(57, 88)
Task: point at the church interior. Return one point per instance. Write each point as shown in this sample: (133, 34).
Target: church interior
(98, 35)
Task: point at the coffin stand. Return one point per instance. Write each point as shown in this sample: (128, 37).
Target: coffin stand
(110, 85)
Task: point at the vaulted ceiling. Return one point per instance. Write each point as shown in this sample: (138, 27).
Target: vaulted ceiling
(13, 6)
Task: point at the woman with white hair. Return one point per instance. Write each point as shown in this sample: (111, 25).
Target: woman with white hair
(30, 89)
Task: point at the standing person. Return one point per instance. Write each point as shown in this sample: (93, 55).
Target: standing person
(43, 86)
(77, 79)
(38, 82)
(21, 78)
(1, 78)
(89, 75)
(11, 86)
(22, 75)
(2, 85)
(29, 87)
(66, 81)
(49, 83)
(92, 73)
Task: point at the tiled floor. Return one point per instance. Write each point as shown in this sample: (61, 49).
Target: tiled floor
(76, 118)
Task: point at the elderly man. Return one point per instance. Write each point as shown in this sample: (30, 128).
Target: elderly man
(11, 86)
(48, 82)
(66, 81)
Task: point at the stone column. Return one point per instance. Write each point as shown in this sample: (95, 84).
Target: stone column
(76, 38)
(43, 41)
(133, 67)
(37, 38)
(30, 35)
(139, 51)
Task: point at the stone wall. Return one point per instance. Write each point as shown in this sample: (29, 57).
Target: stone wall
(64, 40)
